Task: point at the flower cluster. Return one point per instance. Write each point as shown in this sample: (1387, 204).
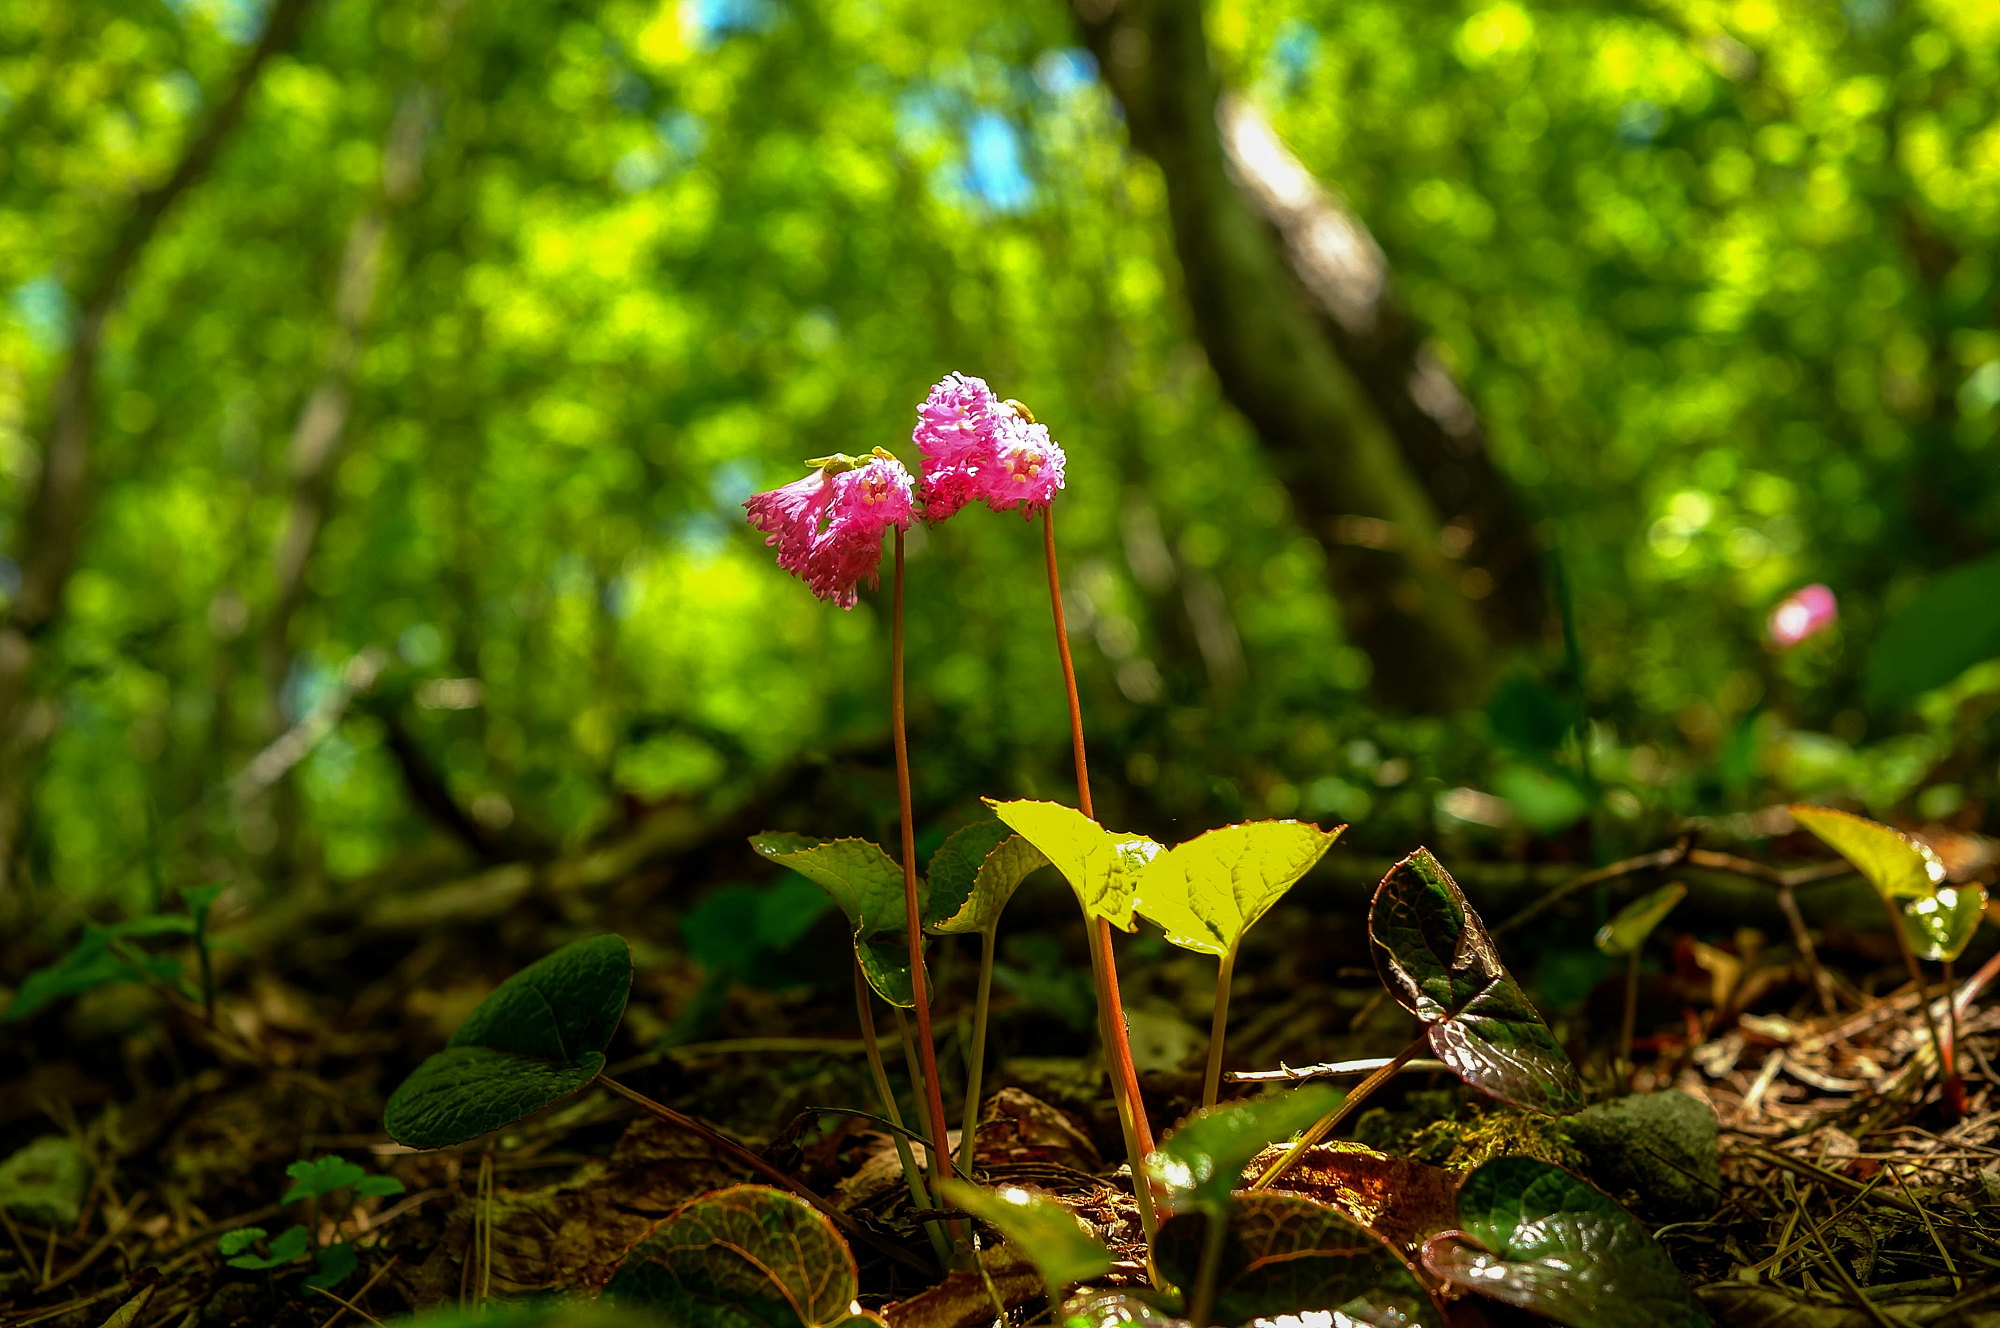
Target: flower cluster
(827, 527)
(976, 447)
(1804, 614)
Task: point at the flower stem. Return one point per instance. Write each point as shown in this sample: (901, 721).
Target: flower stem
(912, 1177)
(975, 1068)
(1111, 1012)
(912, 904)
(1218, 1028)
(1952, 1087)
(1347, 1107)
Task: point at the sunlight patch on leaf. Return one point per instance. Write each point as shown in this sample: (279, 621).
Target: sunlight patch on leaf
(1207, 892)
(1102, 866)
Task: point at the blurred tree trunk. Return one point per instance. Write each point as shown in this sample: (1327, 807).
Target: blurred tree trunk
(1433, 559)
(55, 518)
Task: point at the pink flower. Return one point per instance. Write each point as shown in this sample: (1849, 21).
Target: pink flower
(1804, 614)
(827, 527)
(1028, 468)
(976, 447)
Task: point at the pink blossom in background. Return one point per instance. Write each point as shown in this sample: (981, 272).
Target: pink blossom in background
(976, 447)
(1803, 614)
(828, 527)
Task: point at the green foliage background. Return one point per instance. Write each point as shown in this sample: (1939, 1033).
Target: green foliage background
(1719, 277)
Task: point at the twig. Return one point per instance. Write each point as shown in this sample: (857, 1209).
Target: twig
(359, 1296)
(1294, 1074)
(1956, 1283)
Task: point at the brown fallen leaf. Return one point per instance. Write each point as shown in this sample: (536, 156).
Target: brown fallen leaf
(1401, 1201)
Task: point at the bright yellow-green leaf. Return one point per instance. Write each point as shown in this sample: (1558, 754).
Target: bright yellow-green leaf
(1062, 1249)
(1207, 892)
(1895, 864)
(1938, 919)
(1632, 924)
(1101, 865)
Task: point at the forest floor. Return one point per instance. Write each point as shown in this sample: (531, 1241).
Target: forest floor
(1852, 1193)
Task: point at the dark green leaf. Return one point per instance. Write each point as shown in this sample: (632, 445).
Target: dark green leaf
(377, 1187)
(973, 875)
(868, 886)
(1537, 1237)
(538, 1038)
(333, 1265)
(311, 1180)
(1436, 959)
(200, 899)
(744, 1257)
(1629, 927)
(1284, 1254)
(1952, 624)
(232, 1243)
(286, 1246)
(1062, 1249)
(90, 964)
(1202, 1159)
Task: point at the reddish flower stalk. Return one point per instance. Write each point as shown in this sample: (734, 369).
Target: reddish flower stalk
(940, 1145)
(1104, 965)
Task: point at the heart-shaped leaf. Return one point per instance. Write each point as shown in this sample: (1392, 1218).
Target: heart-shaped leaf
(1535, 1236)
(1938, 919)
(1207, 892)
(1401, 1201)
(1101, 865)
(313, 1180)
(1202, 1159)
(973, 875)
(1285, 1254)
(1629, 927)
(1063, 1250)
(867, 884)
(1436, 959)
(744, 1257)
(539, 1037)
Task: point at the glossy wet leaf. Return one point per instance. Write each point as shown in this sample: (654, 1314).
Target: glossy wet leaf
(1629, 927)
(744, 1257)
(1102, 866)
(1207, 892)
(1202, 1159)
(867, 884)
(1535, 1236)
(973, 875)
(1063, 1250)
(1436, 959)
(1938, 919)
(1285, 1254)
(539, 1037)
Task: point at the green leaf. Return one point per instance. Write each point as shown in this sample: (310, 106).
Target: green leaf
(312, 1180)
(1207, 892)
(744, 1257)
(868, 886)
(1286, 1254)
(333, 1265)
(973, 875)
(377, 1187)
(46, 1180)
(1938, 919)
(539, 1037)
(1628, 929)
(232, 1243)
(200, 899)
(1062, 1249)
(1202, 1159)
(90, 964)
(1537, 1237)
(1436, 959)
(1101, 865)
(288, 1245)
(1952, 624)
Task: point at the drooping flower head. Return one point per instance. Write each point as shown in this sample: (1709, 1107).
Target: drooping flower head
(1802, 615)
(827, 527)
(976, 447)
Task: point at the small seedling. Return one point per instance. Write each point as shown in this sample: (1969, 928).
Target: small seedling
(312, 1182)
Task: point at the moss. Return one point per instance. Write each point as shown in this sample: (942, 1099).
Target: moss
(1448, 1129)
